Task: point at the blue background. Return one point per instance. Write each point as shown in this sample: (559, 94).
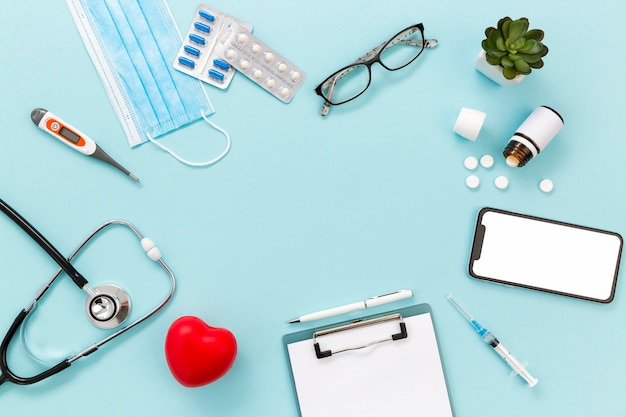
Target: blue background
(307, 213)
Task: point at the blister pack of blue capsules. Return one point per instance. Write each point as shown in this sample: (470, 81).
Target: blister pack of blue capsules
(197, 56)
(262, 64)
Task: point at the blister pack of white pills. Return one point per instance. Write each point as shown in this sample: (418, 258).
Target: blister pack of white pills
(197, 56)
(262, 64)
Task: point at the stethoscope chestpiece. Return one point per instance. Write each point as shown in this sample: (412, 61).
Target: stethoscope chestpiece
(107, 306)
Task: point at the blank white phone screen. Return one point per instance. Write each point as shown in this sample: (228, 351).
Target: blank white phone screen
(515, 249)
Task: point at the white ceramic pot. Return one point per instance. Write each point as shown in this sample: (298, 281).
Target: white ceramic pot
(494, 72)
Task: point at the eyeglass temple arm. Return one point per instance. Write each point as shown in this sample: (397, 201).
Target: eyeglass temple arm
(428, 43)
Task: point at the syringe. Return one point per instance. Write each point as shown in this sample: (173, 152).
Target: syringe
(490, 339)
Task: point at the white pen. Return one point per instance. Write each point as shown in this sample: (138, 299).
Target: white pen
(359, 305)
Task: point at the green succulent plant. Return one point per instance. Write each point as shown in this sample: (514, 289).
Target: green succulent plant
(515, 48)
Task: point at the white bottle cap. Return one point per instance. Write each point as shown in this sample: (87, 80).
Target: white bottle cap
(469, 122)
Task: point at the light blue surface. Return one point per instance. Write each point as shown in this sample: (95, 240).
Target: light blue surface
(307, 213)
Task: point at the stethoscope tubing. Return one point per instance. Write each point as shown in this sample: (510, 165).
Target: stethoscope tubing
(5, 373)
(66, 266)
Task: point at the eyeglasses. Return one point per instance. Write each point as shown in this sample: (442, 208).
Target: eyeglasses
(351, 81)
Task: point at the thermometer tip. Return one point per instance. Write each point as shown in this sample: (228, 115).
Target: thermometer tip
(134, 178)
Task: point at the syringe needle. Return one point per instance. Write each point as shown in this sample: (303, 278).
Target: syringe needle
(493, 341)
(460, 308)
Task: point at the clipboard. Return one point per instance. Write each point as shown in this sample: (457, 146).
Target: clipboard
(378, 365)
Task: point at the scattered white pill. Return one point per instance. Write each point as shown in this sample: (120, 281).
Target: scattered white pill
(501, 182)
(257, 73)
(231, 54)
(268, 57)
(470, 162)
(486, 161)
(245, 64)
(295, 76)
(271, 83)
(256, 48)
(282, 67)
(472, 181)
(242, 38)
(546, 186)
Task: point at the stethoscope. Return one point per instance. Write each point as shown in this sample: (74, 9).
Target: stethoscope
(107, 306)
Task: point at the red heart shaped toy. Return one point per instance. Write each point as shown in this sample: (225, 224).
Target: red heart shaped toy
(198, 354)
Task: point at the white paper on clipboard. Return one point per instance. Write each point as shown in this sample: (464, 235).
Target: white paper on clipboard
(398, 378)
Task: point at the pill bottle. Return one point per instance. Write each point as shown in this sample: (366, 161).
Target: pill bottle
(532, 136)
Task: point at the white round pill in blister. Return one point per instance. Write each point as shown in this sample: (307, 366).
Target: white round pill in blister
(486, 161)
(295, 76)
(245, 64)
(242, 38)
(501, 182)
(231, 54)
(284, 92)
(472, 181)
(270, 83)
(546, 186)
(257, 73)
(269, 57)
(282, 67)
(256, 48)
(470, 162)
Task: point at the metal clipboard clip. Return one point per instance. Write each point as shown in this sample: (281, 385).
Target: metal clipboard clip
(356, 325)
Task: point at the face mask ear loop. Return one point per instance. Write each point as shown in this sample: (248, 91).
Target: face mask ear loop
(197, 164)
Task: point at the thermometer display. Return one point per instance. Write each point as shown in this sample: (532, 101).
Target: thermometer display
(69, 135)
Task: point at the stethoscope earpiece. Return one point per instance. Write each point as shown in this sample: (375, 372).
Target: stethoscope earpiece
(107, 306)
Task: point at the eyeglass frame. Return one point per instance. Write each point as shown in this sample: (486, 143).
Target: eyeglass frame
(368, 62)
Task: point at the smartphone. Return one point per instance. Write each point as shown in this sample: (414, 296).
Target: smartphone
(546, 255)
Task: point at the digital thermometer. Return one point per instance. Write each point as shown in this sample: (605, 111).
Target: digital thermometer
(73, 138)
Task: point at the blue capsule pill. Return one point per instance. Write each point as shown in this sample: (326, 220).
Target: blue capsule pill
(192, 51)
(186, 61)
(216, 74)
(197, 39)
(206, 15)
(202, 27)
(221, 64)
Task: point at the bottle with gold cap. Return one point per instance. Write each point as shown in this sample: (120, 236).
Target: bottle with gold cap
(532, 136)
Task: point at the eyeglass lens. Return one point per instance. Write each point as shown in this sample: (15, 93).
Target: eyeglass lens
(350, 82)
(403, 49)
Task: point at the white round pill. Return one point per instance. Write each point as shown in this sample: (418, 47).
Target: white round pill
(546, 186)
(242, 38)
(231, 54)
(284, 92)
(470, 162)
(245, 64)
(472, 181)
(282, 67)
(486, 161)
(271, 83)
(295, 76)
(269, 57)
(501, 182)
(257, 73)
(256, 48)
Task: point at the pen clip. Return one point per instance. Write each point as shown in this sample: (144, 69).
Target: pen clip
(385, 295)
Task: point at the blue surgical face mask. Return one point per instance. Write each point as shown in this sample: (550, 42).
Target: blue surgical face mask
(132, 44)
